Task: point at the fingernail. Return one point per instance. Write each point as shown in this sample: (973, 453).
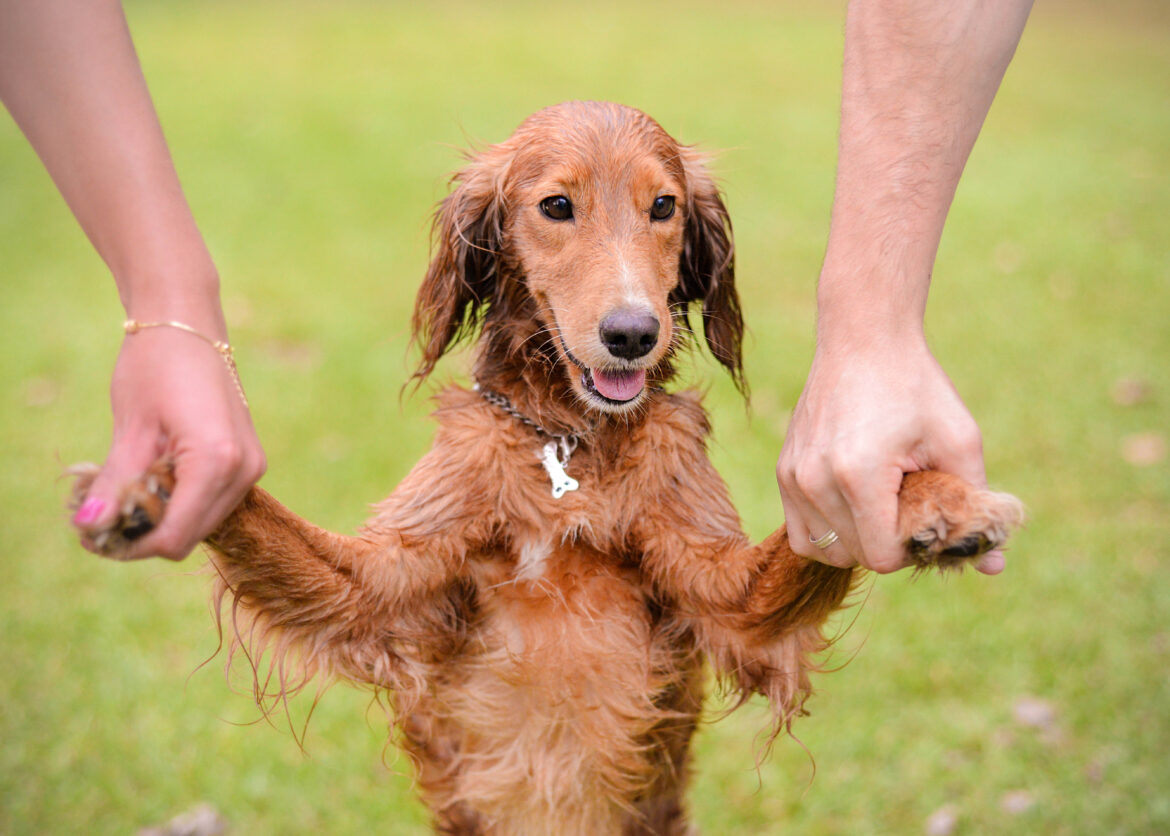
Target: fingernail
(89, 511)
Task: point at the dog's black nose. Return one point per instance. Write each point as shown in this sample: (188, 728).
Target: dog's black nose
(629, 334)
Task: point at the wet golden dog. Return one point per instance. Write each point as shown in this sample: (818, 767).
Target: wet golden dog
(539, 595)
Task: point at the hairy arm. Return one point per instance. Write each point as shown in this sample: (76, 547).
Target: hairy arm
(70, 77)
(918, 80)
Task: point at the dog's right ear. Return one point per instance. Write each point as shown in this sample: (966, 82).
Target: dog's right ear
(462, 278)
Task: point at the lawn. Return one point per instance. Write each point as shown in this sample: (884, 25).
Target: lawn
(313, 141)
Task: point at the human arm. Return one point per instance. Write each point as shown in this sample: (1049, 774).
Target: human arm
(70, 77)
(917, 83)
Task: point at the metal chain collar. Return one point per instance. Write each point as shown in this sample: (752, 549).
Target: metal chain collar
(566, 443)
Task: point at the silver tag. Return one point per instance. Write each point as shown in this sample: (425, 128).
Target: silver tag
(561, 481)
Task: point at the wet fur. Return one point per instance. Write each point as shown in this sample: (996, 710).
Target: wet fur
(544, 657)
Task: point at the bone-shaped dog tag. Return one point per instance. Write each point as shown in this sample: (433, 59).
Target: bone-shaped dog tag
(561, 481)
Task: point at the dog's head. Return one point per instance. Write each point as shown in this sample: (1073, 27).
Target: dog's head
(587, 235)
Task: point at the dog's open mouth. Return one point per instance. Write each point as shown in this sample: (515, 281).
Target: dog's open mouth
(613, 387)
(618, 386)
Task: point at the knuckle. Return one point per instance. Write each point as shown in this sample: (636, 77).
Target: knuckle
(850, 479)
(965, 439)
(841, 561)
(258, 466)
(885, 563)
(168, 544)
(971, 444)
(810, 477)
(225, 455)
(786, 471)
(174, 552)
(801, 547)
(851, 467)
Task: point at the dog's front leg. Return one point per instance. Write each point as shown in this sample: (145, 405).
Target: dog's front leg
(344, 605)
(300, 588)
(757, 610)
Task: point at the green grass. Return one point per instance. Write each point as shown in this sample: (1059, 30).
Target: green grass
(313, 141)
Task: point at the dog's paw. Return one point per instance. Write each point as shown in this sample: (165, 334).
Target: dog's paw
(946, 522)
(140, 507)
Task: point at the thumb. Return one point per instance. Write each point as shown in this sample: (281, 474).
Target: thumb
(130, 455)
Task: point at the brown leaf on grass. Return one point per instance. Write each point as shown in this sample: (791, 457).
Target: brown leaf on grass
(1052, 736)
(1017, 801)
(1062, 286)
(1035, 713)
(238, 310)
(41, 392)
(201, 820)
(300, 355)
(1143, 449)
(1101, 760)
(333, 446)
(1039, 714)
(1007, 257)
(1130, 390)
(1095, 772)
(1002, 738)
(942, 821)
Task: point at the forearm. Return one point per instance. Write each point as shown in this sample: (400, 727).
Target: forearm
(70, 77)
(918, 80)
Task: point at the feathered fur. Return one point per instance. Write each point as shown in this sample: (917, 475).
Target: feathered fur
(544, 657)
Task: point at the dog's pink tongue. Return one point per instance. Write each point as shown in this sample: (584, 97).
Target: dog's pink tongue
(619, 386)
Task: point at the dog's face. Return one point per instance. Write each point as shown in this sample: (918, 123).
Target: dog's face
(596, 230)
(593, 219)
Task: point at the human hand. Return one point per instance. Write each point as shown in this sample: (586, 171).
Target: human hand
(869, 414)
(173, 395)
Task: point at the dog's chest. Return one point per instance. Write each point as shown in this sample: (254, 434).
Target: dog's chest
(565, 634)
(561, 505)
(552, 601)
(532, 558)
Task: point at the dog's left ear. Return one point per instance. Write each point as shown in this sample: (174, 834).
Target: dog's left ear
(463, 277)
(707, 268)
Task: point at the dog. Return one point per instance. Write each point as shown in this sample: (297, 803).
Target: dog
(539, 596)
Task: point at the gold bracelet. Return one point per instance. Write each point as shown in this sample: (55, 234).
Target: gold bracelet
(133, 326)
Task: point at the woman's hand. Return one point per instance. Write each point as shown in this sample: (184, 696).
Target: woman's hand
(173, 395)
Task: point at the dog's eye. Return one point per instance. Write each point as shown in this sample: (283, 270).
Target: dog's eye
(557, 207)
(663, 207)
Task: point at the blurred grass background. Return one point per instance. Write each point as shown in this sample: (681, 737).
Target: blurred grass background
(313, 141)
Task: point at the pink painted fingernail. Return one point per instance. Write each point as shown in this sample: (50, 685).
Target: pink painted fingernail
(89, 511)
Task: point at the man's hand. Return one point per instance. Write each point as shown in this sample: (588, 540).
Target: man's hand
(865, 418)
(917, 82)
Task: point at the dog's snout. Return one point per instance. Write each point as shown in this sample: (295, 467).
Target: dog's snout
(629, 334)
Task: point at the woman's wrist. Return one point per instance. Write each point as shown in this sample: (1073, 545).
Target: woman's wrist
(188, 297)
